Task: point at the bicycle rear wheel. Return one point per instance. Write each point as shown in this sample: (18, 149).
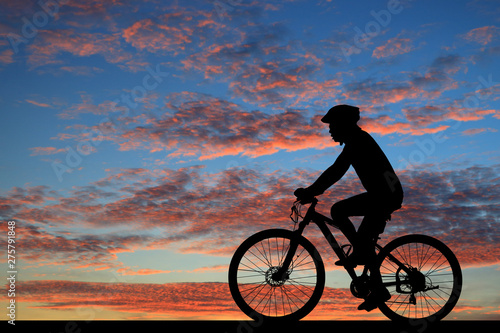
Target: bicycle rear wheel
(259, 294)
(429, 285)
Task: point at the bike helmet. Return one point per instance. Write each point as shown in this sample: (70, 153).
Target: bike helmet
(343, 114)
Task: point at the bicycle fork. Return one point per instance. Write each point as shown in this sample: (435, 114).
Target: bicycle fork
(284, 271)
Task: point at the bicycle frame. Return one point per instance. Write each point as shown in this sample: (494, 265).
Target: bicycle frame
(321, 221)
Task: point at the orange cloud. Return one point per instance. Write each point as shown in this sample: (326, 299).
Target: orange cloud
(176, 301)
(142, 271)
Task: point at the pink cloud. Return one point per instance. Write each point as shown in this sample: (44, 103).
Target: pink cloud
(394, 46)
(212, 213)
(474, 131)
(46, 151)
(46, 49)
(146, 34)
(43, 105)
(6, 56)
(483, 35)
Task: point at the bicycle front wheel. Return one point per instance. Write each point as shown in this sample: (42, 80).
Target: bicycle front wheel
(423, 276)
(257, 291)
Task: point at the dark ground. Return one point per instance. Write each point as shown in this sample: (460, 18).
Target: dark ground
(253, 327)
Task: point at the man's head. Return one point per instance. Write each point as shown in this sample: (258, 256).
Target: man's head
(342, 120)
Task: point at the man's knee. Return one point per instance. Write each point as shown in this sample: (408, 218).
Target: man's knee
(372, 226)
(337, 211)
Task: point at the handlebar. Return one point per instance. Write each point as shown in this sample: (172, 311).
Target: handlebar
(307, 200)
(296, 215)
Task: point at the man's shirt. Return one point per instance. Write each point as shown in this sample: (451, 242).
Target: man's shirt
(371, 165)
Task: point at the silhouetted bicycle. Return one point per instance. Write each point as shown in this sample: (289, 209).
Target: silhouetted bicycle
(278, 274)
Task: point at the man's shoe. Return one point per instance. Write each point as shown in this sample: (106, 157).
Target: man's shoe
(374, 299)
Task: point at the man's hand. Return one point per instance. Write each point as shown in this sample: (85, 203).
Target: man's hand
(303, 194)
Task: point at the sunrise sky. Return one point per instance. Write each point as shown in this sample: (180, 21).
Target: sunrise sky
(143, 141)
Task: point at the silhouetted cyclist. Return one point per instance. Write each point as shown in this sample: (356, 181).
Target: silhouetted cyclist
(384, 193)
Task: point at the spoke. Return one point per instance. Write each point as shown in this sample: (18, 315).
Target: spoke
(440, 274)
(303, 264)
(262, 285)
(250, 269)
(277, 251)
(285, 290)
(269, 263)
(284, 252)
(430, 256)
(258, 257)
(423, 261)
(262, 298)
(297, 284)
(432, 269)
(294, 262)
(270, 251)
(248, 276)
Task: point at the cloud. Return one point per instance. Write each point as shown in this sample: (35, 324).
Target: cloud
(142, 271)
(428, 115)
(46, 151)
(87, 106)
(484, 35)
(195, 126)
(43, 105)
(204, 127)
(264, 65)
(172, 32)
(211, 213)
(82, 70)
(6, 56)
(50, 47)
(176, 301)
(385, 125)
(413, 86)
(474, 131)
(394, 46)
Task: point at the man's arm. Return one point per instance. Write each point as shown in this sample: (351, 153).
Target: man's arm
(331, 175)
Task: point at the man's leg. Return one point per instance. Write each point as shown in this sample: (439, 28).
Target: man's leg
(371, 227)
(369, 230)
(353, 206)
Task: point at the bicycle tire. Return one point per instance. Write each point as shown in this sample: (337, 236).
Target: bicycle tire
(442, 272)
(246, 265)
